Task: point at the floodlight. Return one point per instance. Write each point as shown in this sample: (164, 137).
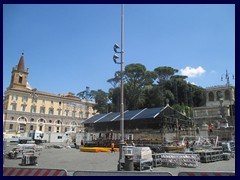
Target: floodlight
(115, 47)
(115, 57)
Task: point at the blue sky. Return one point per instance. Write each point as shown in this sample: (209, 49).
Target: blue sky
(69, 47)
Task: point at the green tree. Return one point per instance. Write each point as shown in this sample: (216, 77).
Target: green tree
(101, 99)
(86, 94)
(114, 97)
(153, 96)
(135, 77)
(199, 96)
(116, 80)
(165, 73)
(141, 90)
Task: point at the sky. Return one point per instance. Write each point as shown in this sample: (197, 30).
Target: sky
(70, 47)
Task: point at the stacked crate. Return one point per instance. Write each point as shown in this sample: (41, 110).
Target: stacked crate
(175, 159)
(157, 161)
(207, 156)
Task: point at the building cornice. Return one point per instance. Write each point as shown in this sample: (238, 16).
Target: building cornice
(67, 97)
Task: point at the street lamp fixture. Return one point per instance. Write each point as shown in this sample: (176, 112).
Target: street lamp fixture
(231, 98)
(227, 77)
(115, 57)
(115, 47)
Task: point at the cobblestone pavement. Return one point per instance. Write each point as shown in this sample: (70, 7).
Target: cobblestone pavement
(74, 160)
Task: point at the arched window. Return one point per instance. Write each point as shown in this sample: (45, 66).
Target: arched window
(219, 95)
(211, 96)
(22, 119)
(58, 122)
(227, 95)
(41, 120)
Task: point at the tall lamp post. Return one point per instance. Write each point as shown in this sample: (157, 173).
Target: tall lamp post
(115, 57)
(34, 96)
(228, 84)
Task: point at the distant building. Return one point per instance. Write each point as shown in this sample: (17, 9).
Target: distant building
(26, 109)
(211, 112)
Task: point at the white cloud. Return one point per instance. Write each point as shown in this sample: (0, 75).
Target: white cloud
(193, 83)
(192, 72)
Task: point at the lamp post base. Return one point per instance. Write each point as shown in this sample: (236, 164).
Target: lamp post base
(119, 167)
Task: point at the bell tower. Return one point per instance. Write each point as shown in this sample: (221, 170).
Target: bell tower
(19, 75)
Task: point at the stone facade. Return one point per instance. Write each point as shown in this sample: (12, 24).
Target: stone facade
(211, 112)
(26, 109)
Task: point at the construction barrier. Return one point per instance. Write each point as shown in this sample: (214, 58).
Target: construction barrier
(97, 149)
(120, 173)
(10, 171)
(206, 174)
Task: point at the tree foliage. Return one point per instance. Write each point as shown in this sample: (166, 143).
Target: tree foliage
(141, 90)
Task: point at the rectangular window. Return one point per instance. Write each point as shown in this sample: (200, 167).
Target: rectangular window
(24, 99)
(66, 111)
(43, 101)
(73, 114)
(34, 100)
(74, 107)
(59, 112)
(40, 128)
(23, 108)
(14, 97)
(33, 109)
(14, 107)
(51, 111)
(59, 137)
(22, 128)
(49, 129)
(81, 115)
(10, 126)
(31, 127)
(20, 79)
(42, 110)
(52, 102)
(65, 129)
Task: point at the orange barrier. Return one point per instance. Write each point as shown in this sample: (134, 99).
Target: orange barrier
(97, 149)
(206, 173)
(10, 171)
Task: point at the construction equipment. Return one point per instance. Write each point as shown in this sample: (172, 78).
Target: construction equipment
(142, 157)
(29, 154)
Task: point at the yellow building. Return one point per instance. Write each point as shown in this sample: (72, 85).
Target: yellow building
(26, 109)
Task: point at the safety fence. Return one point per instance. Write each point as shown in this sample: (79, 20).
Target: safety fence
(206, 174)
(120, 173)
(11, 171)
